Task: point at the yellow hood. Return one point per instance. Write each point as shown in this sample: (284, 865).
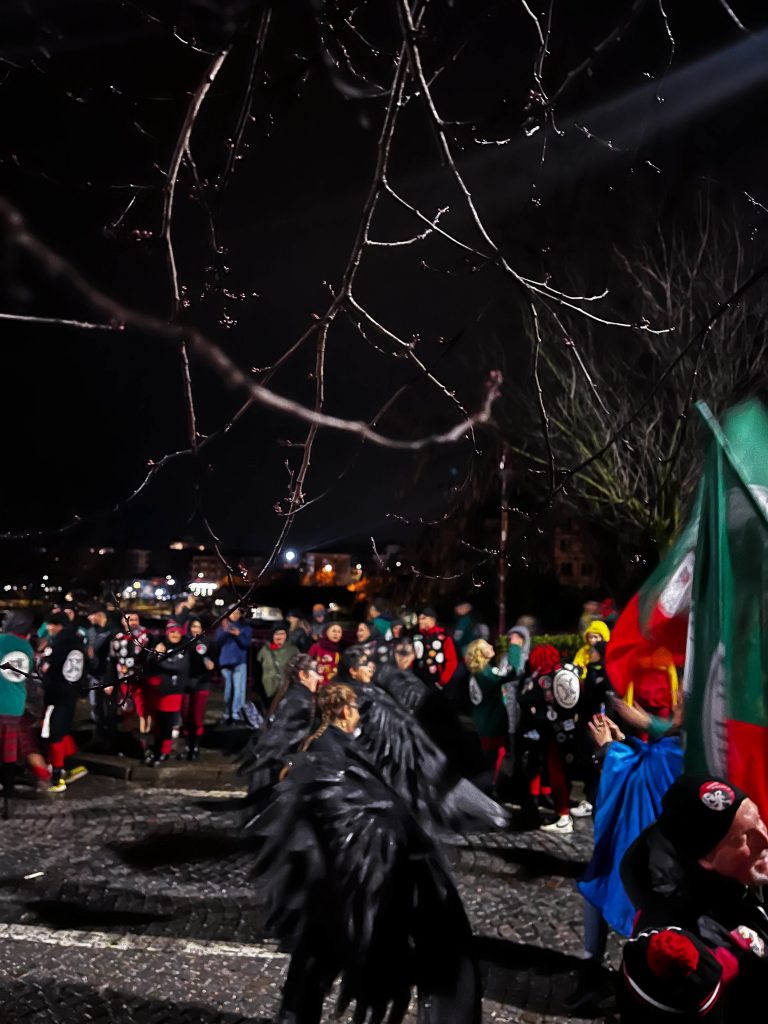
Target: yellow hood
(600, 628)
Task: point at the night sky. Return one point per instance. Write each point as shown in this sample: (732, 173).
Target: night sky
(93, 97)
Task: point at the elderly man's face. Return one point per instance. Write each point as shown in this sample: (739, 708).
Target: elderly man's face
(743, 854)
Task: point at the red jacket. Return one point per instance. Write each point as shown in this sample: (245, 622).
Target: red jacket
(326, 654)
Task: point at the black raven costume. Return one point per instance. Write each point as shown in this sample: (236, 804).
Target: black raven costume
(437, 716)
(358, 890)
(271, 748)
(394, 742)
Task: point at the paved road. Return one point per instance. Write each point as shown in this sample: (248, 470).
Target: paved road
(86, 938)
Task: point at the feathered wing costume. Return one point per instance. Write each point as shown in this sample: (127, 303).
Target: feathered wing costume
(403, 686)
(437, 717)
(416, 769)
(359, 891)
(270, 749)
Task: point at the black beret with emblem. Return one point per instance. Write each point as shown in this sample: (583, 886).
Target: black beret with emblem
(697, 813)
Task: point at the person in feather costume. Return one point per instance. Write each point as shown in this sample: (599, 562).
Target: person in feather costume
(290, 720)
(395, 742)
(358, 888)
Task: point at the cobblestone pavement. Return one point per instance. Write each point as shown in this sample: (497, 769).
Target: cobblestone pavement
(87, 938)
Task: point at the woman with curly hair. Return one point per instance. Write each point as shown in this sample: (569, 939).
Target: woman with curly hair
(485, 693)
(339, 720)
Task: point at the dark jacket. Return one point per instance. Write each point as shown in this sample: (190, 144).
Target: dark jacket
(270, 750)
(63, 666)
(333, 744)
(672, 894)
(99, 649)
(436, 658)
(173, 668)
(202, 650)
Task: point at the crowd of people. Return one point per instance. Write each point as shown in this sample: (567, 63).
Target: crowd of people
(434, 727)
(521, 722)
(678, 864)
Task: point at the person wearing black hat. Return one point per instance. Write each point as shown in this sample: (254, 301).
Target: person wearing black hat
(299, 634)
(436, 658)
(63, 670)
(701, 935)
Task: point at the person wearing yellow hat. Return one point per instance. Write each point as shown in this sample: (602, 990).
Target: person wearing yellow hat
(595, 633)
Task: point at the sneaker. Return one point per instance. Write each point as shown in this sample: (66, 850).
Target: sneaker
(563, 826)
(76, 773)
(58, 787)
(582, 810)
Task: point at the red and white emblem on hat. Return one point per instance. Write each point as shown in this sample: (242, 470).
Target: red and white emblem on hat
(717, 796)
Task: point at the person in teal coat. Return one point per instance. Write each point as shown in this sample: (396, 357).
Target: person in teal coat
(485, 694)
(17, 660)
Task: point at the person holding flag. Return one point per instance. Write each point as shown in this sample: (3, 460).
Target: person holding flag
(706, 604)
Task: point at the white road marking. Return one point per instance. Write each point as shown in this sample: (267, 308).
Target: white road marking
(135, 943)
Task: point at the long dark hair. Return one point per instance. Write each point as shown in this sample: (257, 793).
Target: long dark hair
(298, 663)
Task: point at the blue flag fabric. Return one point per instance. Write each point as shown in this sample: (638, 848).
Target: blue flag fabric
(635, 777)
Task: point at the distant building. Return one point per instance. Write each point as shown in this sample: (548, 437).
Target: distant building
(206, 567)
(329, 569)
(573, 562)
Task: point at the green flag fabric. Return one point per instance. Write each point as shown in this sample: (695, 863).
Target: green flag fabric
(726, 680)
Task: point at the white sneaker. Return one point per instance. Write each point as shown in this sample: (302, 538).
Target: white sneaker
(563, 826)
(582, 810)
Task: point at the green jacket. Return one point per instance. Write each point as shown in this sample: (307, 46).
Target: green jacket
(488, 711)
(15, 653)
(273, 664)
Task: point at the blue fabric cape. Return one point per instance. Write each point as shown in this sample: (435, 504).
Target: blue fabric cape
(635, 777)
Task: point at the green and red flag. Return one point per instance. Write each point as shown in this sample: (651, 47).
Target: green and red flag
(726, 678)
(657, 616)
(707, 604)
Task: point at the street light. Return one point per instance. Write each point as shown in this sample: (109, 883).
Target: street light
(290, 556)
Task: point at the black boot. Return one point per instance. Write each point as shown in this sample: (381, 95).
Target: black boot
(193, 751)
(595, 990)
(8, 776)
